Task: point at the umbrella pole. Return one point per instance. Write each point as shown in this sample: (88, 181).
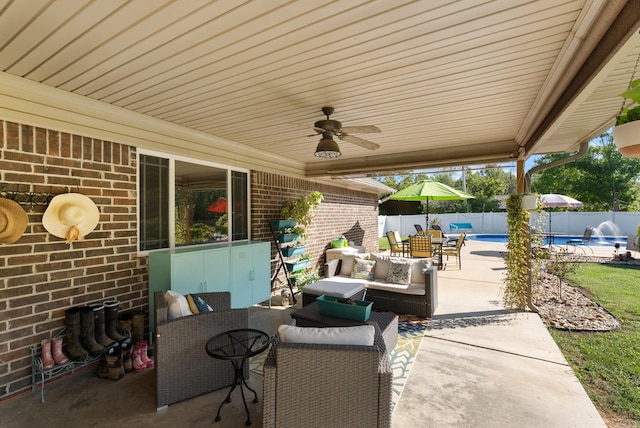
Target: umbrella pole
(427, 216)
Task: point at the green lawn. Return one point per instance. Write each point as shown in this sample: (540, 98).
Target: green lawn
(608, 363)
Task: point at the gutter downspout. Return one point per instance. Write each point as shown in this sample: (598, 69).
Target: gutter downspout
(584, 148)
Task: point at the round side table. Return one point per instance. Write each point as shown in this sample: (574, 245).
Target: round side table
(238, 346)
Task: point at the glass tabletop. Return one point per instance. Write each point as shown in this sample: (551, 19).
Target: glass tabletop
(237, 344)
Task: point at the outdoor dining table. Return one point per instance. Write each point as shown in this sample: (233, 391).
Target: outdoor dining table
(438, 243)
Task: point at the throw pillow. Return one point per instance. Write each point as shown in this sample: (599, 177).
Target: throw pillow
(201, 305)
(399, 273)
(192, 304)
(363, 269)
(381, 270)
(358, 335)
(177, 305)
(346, 264)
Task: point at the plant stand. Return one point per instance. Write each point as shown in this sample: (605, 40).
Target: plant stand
(281, 263)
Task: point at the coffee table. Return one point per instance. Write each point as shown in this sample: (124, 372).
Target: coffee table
(310, 316)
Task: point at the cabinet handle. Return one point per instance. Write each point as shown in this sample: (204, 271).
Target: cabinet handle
(252, 275)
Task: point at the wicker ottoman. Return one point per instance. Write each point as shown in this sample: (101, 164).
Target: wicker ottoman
(310, 316)
(350, 290)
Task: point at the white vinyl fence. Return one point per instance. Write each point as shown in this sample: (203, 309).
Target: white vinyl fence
(567, 222)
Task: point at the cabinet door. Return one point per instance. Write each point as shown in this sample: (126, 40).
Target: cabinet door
(216, 270)
(188, 273)
(241, 274)
(262, 272)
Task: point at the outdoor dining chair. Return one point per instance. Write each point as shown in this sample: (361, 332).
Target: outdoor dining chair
(420, 246)
(455, 251)
(396, 245)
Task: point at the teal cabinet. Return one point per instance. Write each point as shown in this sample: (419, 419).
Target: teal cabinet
(250, 267)
(244, 269)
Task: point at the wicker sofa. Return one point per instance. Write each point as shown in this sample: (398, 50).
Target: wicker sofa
(327, 385)
(420, 297)
(183, 367)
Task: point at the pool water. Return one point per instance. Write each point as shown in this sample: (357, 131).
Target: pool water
(557, 239)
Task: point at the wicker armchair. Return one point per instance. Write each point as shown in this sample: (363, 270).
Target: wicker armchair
(314, 385)
(183, 368)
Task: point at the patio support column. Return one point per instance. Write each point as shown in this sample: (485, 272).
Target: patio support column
(520, 176)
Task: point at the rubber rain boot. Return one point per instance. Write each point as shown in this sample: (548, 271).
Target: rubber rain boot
(143, 354)
(127, 355)
(98, 319)
(75, 350)
(111, 320)
(47, 359)
(112, 367)
(138, 365)
(137, 327)
(56, 352)
(88, 332)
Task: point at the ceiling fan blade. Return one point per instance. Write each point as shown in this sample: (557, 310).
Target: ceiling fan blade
(359, 141)
(370, 129)
(304, 125)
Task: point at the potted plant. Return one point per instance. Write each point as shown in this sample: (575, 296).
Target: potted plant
(304, 277)
(301, 210)
(435, 221)
(627, 130)
(293, 250)
(300, 263)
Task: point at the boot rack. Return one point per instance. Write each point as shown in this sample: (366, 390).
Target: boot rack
(59, 370)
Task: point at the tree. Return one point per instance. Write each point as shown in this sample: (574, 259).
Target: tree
(484, 185)
(602, 179)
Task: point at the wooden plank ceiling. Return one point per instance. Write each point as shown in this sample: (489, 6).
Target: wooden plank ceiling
(447, 82)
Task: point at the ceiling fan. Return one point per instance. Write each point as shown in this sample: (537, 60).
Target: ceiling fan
(328, 128)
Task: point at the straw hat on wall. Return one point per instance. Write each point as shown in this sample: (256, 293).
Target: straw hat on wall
(71, 216)
(13, 221)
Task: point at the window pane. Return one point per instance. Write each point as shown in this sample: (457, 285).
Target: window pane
(239, 209)
(154, 195)
(200, 204)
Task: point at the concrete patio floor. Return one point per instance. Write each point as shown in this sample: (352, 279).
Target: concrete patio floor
(478, 366)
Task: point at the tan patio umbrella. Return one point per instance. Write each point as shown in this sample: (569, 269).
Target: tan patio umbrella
(554, 200)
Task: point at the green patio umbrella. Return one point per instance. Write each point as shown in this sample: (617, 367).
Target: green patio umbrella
(429, 190)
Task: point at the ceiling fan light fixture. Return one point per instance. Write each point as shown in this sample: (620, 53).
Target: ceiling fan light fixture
(327, 148)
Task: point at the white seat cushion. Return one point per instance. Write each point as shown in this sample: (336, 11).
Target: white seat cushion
(358, 335)
(415, 290)
(336, 286)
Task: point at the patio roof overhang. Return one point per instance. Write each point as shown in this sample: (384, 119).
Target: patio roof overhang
(449, 84)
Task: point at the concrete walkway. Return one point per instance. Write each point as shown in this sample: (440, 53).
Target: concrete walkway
(479, 366)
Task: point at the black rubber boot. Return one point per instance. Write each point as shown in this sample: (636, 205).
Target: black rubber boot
(111, 320)
(112, 367)
(98, 319)
(127, 356)
(75, 351)
(88, 332)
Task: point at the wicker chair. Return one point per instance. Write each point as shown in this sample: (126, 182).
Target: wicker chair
(183, 368)
(329, 386)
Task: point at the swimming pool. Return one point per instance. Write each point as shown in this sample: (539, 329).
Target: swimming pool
(558, 239)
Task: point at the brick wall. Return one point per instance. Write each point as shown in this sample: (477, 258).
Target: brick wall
(351, 213)
(40, 275)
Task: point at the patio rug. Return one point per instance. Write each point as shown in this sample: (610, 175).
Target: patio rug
(410, 334)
